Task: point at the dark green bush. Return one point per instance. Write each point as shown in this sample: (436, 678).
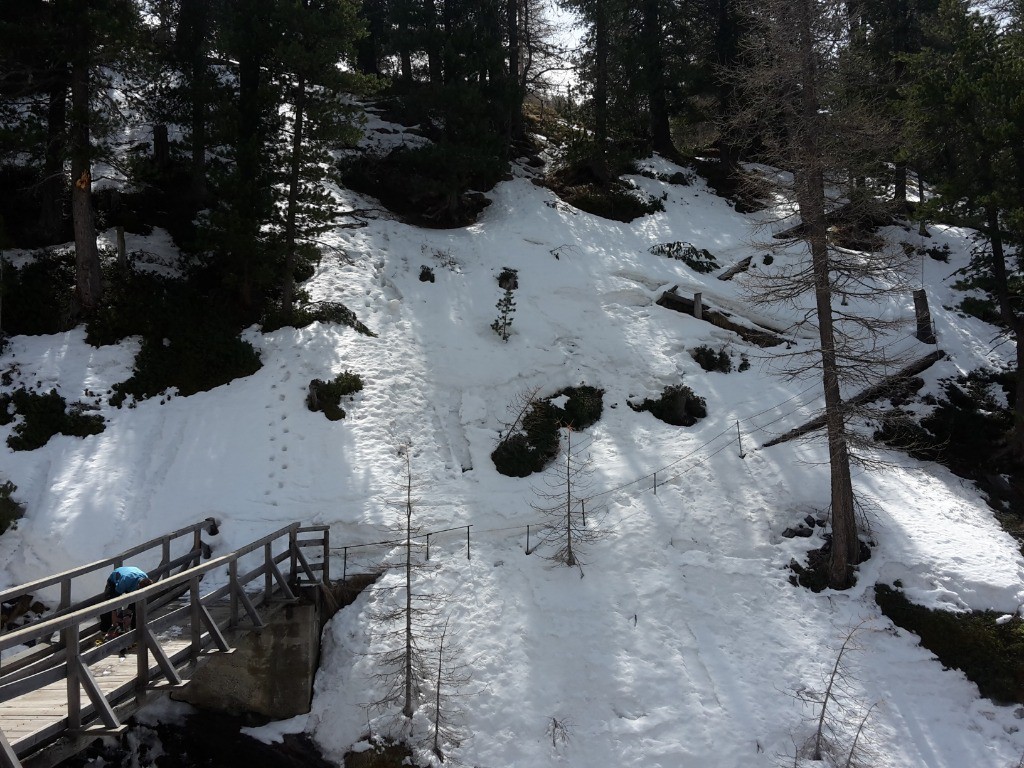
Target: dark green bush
(983, 309)
(990, 654)
(583, 408)
(698, 259)
(534, 444)
(710, 360)
(615, 203)
(678, 405)
(44, 416)
(430, 185)
(196, 357)
(325, 396)
(10, 510)
(320, 311)
(139, 303)
(383, 754)
(37, 297)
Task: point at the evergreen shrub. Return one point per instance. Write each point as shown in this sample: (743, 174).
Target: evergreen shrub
(317, 312)
(138, 303)
(430, 186)
(325, 396)
(197, 356)
(983, 309)
(10, 510)
(698, 259)
(381, 754)
(46, 415)
(678, 405)
(534, 443)
(989, 653)
(618, 203)
(37, 297)
(710, 360)
(588, 178)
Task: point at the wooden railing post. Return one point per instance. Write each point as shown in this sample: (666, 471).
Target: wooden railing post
(194, 620)
(326, 578)
(293, 560)
(268, 576)
(197, 545)
(74, 684)
(141, 651)
(65, 593)
(233, 570)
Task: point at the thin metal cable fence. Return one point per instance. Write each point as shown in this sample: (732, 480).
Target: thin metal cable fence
(351, 553)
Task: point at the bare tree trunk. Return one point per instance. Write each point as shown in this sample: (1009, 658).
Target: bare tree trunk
(53, 192)
(899, 195)
(570, 558)
(433, 53)
(810, 183)
(1014, 323)
(407, 709)
(515, 116)
(601, 73)
(657, 105)
(88, 287)
(288, 280)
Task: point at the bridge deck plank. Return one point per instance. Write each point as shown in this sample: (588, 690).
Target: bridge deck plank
(25, 716)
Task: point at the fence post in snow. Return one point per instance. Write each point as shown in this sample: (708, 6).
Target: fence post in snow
(698, 307)
(655, 483)
(428, 546)
(467, 542)
(527, 539)
(739, 439)
(344, 565)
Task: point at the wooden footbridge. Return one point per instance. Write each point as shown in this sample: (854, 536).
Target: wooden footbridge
(70, 687)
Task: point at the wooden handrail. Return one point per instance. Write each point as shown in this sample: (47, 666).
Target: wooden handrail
(70, 659)
(58, 623)
(31, 587)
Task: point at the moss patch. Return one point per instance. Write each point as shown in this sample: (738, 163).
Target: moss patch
(990, 654)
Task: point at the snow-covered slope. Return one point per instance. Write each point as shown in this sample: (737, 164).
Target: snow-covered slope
(684, 643)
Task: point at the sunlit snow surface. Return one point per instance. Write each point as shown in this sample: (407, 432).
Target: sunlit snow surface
(684, 643)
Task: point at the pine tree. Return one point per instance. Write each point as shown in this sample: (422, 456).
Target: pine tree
(506, 309)
(967, 121)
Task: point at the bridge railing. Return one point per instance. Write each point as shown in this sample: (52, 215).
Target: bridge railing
(70, 657)
(168, 547)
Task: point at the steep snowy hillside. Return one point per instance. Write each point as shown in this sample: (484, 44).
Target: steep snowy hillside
(681, 641)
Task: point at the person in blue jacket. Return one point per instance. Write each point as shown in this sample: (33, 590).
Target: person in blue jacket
(123, 580)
